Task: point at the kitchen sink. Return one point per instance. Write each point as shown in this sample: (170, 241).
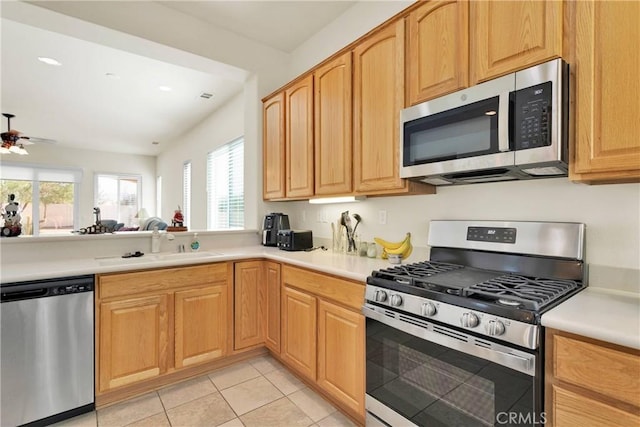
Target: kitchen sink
(126, 261)
(187, 255)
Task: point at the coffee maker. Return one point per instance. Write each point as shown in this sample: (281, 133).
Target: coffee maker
(273, 223)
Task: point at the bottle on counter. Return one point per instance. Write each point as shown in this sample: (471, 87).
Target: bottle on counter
(195, 243)
(155, 240)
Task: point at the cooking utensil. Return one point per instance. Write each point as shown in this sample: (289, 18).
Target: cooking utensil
(358, 219)
(345, 220)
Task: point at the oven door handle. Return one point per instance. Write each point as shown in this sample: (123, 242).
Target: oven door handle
(457, 340)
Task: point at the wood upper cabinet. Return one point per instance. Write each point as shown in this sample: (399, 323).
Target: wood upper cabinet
(273, 147)
(333, 142)
(248, 304)
(134, 340)
(195, 308)
(510, 35)
(437, 49)
(299, 331)
(341, 354)
(378, 97)
(299, 138)
(590, 382)
(272, 306)
(606, 44)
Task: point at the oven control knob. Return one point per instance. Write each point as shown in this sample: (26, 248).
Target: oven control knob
(380, 296)
(469, 320)
(396, 300)
(495, 328)
(429, 309)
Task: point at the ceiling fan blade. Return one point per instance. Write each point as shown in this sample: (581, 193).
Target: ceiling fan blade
(32, 140)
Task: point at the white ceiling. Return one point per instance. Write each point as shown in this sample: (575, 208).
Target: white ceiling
(77, 105)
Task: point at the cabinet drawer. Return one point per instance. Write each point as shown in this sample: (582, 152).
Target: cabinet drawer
(123, 284)
(604, 370)
(571, 409)
(344, 292)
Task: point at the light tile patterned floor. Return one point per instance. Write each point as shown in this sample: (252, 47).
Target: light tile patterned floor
(259, 392)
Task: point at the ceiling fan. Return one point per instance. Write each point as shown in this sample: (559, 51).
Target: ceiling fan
(14, 142)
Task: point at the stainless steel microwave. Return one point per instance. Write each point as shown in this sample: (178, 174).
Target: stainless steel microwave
(513, 127)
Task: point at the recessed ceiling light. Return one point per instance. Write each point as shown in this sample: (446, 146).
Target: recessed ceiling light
(165, 88)
(113, 76)
(49, 61)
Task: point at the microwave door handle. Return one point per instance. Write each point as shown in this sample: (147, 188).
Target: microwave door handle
(503, 122)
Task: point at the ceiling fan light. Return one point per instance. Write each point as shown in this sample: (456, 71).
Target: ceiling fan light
(14, 149)
(4, 149)
(22, 151)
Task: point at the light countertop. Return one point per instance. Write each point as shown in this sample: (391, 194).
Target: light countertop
(599, 313)
(351, 267)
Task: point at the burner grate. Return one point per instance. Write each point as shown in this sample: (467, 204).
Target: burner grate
(521, 291)
(416, 273)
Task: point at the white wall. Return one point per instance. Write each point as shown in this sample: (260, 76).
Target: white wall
(225, 125)
(92, 162)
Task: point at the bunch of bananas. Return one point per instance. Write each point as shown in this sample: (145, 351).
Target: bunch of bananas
(402, 248)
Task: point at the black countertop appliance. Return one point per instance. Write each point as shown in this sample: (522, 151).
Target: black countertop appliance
(273, 223)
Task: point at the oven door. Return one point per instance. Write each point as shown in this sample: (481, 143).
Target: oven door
(426, 374)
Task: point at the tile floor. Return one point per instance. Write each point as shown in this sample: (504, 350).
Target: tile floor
(258, 392)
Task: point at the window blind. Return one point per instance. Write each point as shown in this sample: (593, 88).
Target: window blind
(225, 186)
(186, 192)
(28, 172)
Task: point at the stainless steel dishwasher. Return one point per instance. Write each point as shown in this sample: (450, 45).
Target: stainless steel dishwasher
(47, 364)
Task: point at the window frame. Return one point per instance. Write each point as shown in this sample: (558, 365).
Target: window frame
(119, 176)
(211, 224)
(187, 166)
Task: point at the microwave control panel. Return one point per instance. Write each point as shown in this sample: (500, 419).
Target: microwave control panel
(532, 116)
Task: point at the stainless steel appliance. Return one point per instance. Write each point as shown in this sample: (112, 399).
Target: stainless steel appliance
(295, 240)
(512, 127)
(273, 223)
(47, 364)
(457, 340)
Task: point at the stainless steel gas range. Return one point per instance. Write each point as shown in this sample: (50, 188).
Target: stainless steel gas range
(457, 340)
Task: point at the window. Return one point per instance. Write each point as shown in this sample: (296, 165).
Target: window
(225, 186)
(118, 197)
(186, 193)
(159, 196)
(48, 194)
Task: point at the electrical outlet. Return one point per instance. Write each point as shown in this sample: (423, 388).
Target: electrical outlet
(382, 217)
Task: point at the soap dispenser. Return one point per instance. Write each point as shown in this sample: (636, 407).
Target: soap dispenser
(155, 240)
(195, 243)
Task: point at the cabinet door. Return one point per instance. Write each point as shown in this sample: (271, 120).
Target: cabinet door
(272, 307)
(378, 98)
(438, 49)
(273, 147)
(299, 138)
(607, 87)
(341, 358)
(299, 331)
(134, 340)
(333, 151)
(509, 35)
(248, 304)
(200, 325)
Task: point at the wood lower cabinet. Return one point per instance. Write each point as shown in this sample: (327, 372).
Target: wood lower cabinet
(271, 314)
(341, 344)
(437, 49)
(590, 383)
(248, 304)
(153, 323)
(299, 331)
(134, 340)
(323, 335)
(194, 342)
(506, 36)
(606, 48)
